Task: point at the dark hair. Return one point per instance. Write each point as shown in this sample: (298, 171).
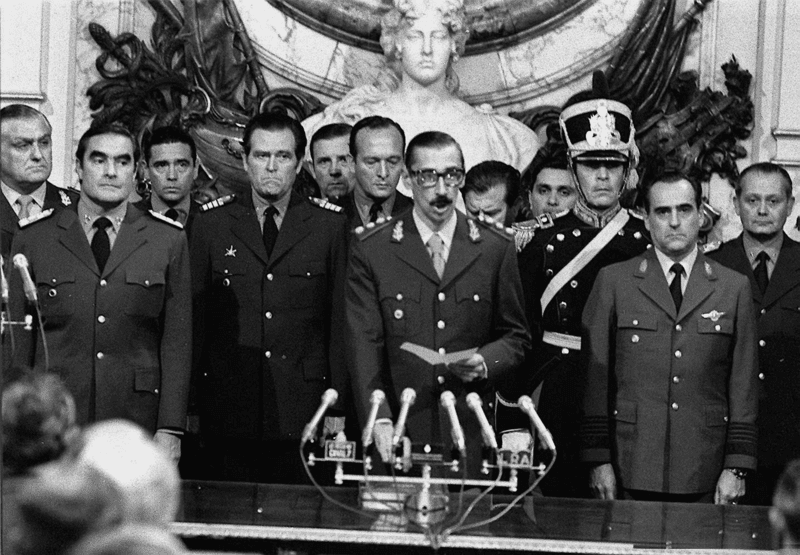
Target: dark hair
(375, 123)
(766, 168)
(106, 129)
(430, 139)
(21, 111)
(553, 154)
(671, 177)
(168, 135)
(490, 174)
(276, 121)
(328, 132)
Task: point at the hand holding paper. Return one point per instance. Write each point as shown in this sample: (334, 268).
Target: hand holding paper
(468, 365)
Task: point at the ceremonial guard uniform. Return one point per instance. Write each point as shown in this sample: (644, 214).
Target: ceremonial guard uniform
(120, 338)
(263, 324)
(395, 296)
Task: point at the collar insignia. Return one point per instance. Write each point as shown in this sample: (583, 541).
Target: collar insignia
(230, 251)
(643, 266)
(713, 315)
(65, 200)
(397, 232)
(474, 233)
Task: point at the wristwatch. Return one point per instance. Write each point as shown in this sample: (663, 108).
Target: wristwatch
(740, 473)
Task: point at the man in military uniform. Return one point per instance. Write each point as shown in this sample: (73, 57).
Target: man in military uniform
(114, 295)
(268, 272)
(559, 265)
(441, 281)
(670, 401)
(331, 161)
(771, 261)
(25, 165)
(170, 164)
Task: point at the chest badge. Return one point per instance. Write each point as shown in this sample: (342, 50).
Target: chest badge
(230, 251)
(713, 315)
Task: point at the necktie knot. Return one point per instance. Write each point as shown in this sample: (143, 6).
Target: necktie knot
(172, 214)
(25, 203)
(677, 269)
(271, 211)
(762, 257)
(102, 223)
(436, 245)
(375, 210)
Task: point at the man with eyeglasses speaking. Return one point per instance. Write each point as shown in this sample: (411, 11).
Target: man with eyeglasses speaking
(426, 284)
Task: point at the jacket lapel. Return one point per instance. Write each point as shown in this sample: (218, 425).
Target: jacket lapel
(741, 264)
(653, 283)
(244, 225)
(293, 228)
(462, 252)
(413, 252)
(786, 274)
(74, 239)
(700, 286)
(128, 240)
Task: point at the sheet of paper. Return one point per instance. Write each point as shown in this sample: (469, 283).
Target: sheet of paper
(433, 357)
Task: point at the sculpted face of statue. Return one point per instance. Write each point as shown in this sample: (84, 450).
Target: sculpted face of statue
(425, 47)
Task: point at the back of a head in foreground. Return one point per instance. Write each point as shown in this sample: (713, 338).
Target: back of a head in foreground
(131, 539)
(785, 512)
(143, 472)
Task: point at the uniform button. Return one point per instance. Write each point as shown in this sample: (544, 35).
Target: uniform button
(100, 356)
(763, 311)
(573, 283)
(442, 351)
(476, 297)
(440, 296)
(576, 232)
(560, 236)
(440, 379)
(717, 327)
(761, 376)
(637, 235)
(53, 280)
(674, 406)
(762, 343)
(52, 293)
(675, 379)
(678, 327)
(562, 305)
(548, 272)
(636, 322)
(440, 324)
(725, 418)
(268, 354)
(226, 282)
(147, 282)
(155, 390)
(268, 315)
(549, 248)
(678, 354)
(616, 412)
(101, 319)
(270, 277)
(103, 283)
(564, 351)
(399, 297)
(635, 338)
(621, 233)
(398, 314)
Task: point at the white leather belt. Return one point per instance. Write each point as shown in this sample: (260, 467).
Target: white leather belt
(562, 340)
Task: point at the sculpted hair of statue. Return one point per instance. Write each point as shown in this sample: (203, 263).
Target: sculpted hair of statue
(399, 18)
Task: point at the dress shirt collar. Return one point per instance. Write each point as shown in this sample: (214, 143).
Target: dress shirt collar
(87, 215)
(160, 206)
(281, 205)
(687, 262)
(771, 247)
(11, 195)
(447, 231)
(364, 203)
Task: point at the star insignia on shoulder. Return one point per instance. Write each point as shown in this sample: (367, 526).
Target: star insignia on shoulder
(166, 220)
(25, 222)
(327, 205)
(65, 200)
(230, 251)
(474, 232)
(397, 231)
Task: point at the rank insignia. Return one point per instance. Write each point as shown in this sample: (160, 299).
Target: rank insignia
(65, 200)
(230, 251)
(643, 266)
(713, 315)
(397, 232)
(474, 233)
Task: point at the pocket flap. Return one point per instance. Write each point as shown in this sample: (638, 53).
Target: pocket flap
(402, 290)
(145, 279)
(53, 280)
(146, 379)
(471, 292)
(306, 268)
(641, 321)
(625, 411)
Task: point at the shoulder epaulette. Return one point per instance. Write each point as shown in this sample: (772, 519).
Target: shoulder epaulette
(166, 220)
(44, 214)
(636, 214)
(322, 203)
(364, 231)
(216, 203)
(711, 246)
(497, 227)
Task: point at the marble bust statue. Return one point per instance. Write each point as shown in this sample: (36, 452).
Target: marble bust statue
(421, 40)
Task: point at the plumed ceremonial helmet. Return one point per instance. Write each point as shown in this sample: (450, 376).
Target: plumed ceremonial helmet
(600, 128)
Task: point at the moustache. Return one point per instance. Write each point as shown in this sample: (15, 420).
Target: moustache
(441, 201)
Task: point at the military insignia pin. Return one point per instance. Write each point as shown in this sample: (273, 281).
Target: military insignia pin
(602, 126)
(397, 232)
(474, 233)
(230, 251)
(65, 200)
(713, 315)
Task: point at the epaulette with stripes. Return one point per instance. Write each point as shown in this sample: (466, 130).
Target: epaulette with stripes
(711, 246)
(327, 205)
(488, 222)
(524, 231)
(216, 203)
(44, 214)
(165, 219)
(364, 231)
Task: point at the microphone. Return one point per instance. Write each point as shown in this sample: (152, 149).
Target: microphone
(526, 405)
(376, 400)
(407, 399)
(328, 398)
(21, 264)
(474, 402)
(448, 401)
(3, 281)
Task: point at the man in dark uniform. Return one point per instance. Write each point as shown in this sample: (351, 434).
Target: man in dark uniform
(559, 265)
(377, 145)
(25, 165)
(170, 164)
(670, 401)
(268, 272)
(771, 261)
(114, 294)
(434, 278)
(331, 161)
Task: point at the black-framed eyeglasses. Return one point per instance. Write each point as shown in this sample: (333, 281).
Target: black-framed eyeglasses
(452, 177)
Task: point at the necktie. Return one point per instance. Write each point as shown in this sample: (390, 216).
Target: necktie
(374, 211)
(25, 203)
(101, 246)
(436, 245)
(173, 214)
(760, 271)
(270, 229)
(675, 286)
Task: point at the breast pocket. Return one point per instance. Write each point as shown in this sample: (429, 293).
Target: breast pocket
(56, 295)
(474, 305)
(146, 292)
(401, 309)
(637, 333)
(307, 283)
